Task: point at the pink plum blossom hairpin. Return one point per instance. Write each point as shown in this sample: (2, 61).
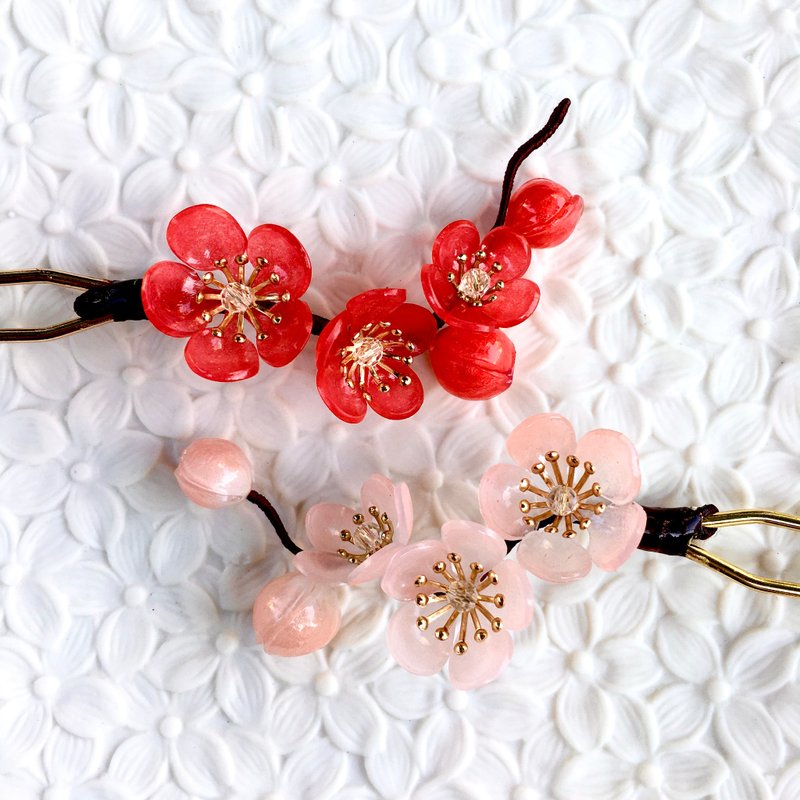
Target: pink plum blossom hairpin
(237, 299)
(563, 505)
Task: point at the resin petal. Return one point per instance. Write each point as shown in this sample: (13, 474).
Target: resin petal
(499, 498)
(324, 523)
(286, 340)
(324, 567)
(415, 651)
(513, 582)
(482, 662)
(553, 558)
(201, 235)
(394, 499)
(615, 534)
(539, 434)
(285, 256)
(473, 542)
(220, 358)
(169, 290)
(616, 464)
(413, 560)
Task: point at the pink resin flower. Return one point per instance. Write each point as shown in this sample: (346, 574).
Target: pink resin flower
(583, 491)
(463, 597)
(349, 546)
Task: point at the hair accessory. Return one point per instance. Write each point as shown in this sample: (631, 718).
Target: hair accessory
(562, 506)
(237, 300)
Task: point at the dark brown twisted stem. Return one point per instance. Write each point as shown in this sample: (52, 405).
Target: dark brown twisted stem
(261, 502)
(515, 162)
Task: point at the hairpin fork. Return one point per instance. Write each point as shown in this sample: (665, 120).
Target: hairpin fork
(744, 516)
(60, 329)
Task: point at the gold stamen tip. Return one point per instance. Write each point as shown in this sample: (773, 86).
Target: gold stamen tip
(367, 396)
(497, 624)
(408, 360)
(206, 317)
(499, 285)
(420, 580)
(439, 566)
(481, 635)
(350, 383)
(475, 566)
(273, 276)
(217, 332)
(353, 560)
(499, 600)
(538, 468)
(552, 456)
(421, 600)
(454, 558)
(599, 508)
(572, 461)
(589, 467)
(342, 552)
(491, 298)
(397, 332)
(385, 324)
(596, 491)
(373, 510)
(221, 263)
(384, 387)
(384, 517)
(411, 347)
(462, 257)
(441, 634)
(286, 297)
(262, 337)
(345, 536)
(239, 338)
(480, 255)
(207, 277)
(358, 518)
(241, 259)
(568, 535)
(451, 277)
(528, 521)
(460, 648)
(492, 576)
(422, 623)
(405, 380)
(199, 297)
(524, 485)
(276, 320)
(524, 506)
(497, 266)
(584, 524)
(261, 261)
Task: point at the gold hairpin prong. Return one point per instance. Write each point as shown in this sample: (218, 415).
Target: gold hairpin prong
(745, 516)
(67, 279)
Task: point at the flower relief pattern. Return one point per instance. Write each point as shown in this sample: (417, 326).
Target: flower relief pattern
(129, 665)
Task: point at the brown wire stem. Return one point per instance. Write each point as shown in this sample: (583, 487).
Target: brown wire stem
(515, 162)
(261, 502)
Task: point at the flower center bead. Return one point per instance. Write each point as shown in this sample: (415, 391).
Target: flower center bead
(562, 497)
(472, 277)
(370, 355)
(367, 537)
(460, 600)
(239, 299)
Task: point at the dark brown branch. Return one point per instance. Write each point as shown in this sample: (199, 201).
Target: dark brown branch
(258, 499)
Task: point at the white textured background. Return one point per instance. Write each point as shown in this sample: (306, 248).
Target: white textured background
(127, 668)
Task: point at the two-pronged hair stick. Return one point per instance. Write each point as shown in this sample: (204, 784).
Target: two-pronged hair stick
(563, 505)
(236, 298)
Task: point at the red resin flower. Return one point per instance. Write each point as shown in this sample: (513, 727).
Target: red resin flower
(210, 296)
(364, 356)
(478, 285)
(544, 212)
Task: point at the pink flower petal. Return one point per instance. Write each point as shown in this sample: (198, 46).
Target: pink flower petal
(515, 585)
(323, 567)
(615, 534)
(324, 523)
(499, 498)
(219, 358)
(616, 464)
(375, 565)
(482, 662)
(473, 542)
(538, 435)
(553, 558)
(394, 499)
(411, 561)
(418, 652)
(285, 255)
(201, 235)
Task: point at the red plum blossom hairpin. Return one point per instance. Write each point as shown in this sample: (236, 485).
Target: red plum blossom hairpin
(563, 505)
(237, 299)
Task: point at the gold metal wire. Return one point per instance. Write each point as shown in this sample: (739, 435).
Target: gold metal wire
(745, 516)
(68, 279)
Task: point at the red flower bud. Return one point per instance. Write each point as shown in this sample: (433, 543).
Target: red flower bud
(544, 212)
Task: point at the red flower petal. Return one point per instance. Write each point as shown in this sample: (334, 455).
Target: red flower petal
(400, 402)
(457, 237)
(475, 365)
(289, 337)
(374, 305)
(333, 337)
(285, 256)
(514, 304)
(200, 235)
(510, 249)
(544, 212)
(219, 358)
(348, 404)
(417, 324)
(168, 296)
